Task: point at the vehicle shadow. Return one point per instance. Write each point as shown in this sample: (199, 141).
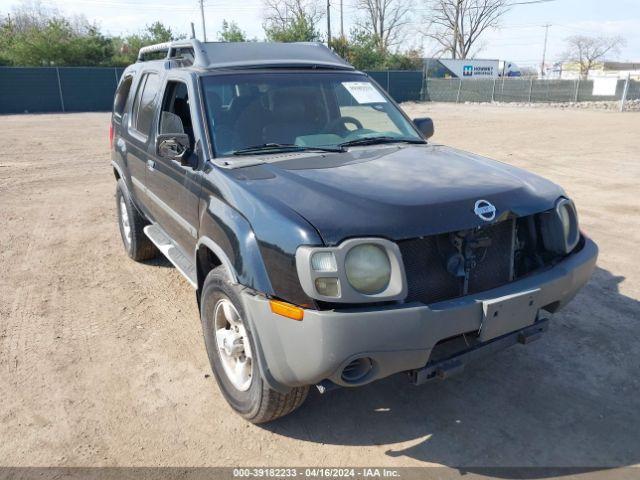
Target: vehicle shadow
(158, 261)
(569, 400)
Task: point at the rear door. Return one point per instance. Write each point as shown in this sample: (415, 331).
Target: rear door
(175, 188)
(140, 154)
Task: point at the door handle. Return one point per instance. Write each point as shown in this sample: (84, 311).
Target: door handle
(151, 165)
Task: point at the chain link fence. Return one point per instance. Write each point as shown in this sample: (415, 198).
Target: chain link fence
(522, 90)
(85, 89)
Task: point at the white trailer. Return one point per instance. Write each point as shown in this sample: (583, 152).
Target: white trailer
(477, 69)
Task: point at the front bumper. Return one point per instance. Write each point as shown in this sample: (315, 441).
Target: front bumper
(397, 338)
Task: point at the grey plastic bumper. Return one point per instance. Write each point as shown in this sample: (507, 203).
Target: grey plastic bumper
(396, 338)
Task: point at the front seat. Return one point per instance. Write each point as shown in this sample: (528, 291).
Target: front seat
(248, 129)
(295, 113)
(170, 123)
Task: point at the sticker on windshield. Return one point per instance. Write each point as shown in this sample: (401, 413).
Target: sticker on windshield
(364, 92)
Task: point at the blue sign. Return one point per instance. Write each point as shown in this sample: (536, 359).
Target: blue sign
(467, 71)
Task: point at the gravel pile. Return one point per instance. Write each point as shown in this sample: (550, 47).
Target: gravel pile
(630, 105)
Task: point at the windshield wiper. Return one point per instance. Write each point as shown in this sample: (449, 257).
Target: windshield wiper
(379, 140)
(283, 147)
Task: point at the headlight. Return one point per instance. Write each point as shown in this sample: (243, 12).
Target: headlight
(368, 269)
(359, 270)
(559, 227)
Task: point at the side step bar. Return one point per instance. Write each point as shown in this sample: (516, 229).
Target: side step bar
(448, 367)
(173, 253)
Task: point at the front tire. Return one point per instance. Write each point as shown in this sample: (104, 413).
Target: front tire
(132, 223)
(233, 356)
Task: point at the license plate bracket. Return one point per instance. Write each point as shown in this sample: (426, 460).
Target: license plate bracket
(506, 314)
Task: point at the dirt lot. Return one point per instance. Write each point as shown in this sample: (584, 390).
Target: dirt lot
(102, 360)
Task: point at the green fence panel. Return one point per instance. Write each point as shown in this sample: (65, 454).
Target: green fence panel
(512, 90)
(476, 91)
(553, 91)
(87, 89)
(381, 78)
(402, 85)
(24, 90)
(585, 92)
(91, 89)
(441, 89)
(405, 86)
(633, 93)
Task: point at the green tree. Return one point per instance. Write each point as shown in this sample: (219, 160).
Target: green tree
(409, 60)
(363, 52)
(298, 30)
(159, 33)
(127, 48)
(231, 32)
(45, 38)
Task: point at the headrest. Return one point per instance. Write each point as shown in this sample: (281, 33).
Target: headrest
(170, 123)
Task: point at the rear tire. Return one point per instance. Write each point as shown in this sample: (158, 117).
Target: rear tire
(131, 224)
(231, 347)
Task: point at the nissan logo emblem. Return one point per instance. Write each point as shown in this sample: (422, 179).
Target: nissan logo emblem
(485, 210)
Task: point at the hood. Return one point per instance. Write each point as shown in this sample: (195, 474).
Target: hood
(395, 191)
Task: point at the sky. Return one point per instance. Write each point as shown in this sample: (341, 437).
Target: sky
(520, 37)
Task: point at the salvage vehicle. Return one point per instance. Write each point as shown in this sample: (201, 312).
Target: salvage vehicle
(328, 243)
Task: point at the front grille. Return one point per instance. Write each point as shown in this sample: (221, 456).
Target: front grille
(425, 261)
(427, 276)
(495, 268)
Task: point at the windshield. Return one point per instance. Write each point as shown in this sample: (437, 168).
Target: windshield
(298, 110)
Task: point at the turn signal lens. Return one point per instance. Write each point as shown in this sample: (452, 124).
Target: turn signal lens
(286, 310)
(329, 287)
(324, 262)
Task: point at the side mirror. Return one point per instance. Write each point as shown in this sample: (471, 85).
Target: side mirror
(174, 146)
(425, 125)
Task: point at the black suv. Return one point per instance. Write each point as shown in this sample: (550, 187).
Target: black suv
(328, 243)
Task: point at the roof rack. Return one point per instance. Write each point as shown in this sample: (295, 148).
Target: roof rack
(176, 51)
(244, 55)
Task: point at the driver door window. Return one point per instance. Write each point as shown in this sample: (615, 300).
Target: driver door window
(175, 115)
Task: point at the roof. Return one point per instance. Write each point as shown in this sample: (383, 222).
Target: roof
(212, 55)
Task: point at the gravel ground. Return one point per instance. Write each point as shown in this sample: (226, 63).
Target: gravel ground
(102, 360)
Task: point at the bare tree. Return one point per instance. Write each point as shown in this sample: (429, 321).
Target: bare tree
(457, 25)
(281, 14)
(588, 51)
(385, 20)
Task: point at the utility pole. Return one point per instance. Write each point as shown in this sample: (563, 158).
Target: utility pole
(342, 18)
(193, 30)
(544, 50)
(204, 28)
(329, 23)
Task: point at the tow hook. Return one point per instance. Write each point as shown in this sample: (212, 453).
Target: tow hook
(448, 367)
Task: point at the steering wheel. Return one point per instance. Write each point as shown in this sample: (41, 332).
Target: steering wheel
(343, 122)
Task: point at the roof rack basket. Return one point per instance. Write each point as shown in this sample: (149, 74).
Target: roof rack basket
(176, 51)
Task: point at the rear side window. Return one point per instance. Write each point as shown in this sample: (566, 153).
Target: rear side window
(122, 94)
(145, 104)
